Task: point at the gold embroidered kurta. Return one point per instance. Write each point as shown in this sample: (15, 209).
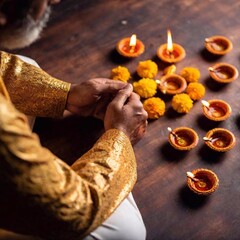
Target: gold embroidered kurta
(40, 194)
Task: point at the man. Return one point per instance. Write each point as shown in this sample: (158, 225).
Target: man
(21, 22)
(40, 194)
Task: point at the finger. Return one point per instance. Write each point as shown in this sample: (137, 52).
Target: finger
(122, 96)
(109, 86)
(38, 8)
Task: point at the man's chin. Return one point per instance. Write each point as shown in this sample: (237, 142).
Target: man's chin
(22, 33)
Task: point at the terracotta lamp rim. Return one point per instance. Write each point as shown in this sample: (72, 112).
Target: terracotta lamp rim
(177, 84)
(223, 140)
(125, 42)
(223, 72)
(180, 51)
(188, 138)
(218, 45)
(218, 110)
(208, 177)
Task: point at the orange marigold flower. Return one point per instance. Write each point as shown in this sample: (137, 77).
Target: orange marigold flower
(120, 73)
(145, 87)
(182, 103)
(147, 69)
(155, 107)
(195, 90)
(191, 74)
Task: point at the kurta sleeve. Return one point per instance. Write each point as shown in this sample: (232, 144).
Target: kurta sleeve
(32, 90)
(40, 195)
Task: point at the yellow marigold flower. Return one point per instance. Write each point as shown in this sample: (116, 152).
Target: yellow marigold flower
(145, 87)
(147, 69)
(191, 74)
(120, 73)
(155, 107)
(182, 103)
(195, 90)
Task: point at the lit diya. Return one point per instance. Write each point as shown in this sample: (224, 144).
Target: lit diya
(220, 139)
(223, 72)
(130, 47)
(216, 109)
(183, 138)
(171, 52)
(218, 45)
(172, 84)
(202, 181)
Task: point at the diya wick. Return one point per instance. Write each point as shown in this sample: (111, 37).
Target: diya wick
(162, 87)
(173, 133)
(130, 47)
(207, 139)
(171, 52)
(192, 176)
(205, 104)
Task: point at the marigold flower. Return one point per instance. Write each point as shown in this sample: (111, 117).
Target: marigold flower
(195, 90)
(182, 103)
(191, 74)
(145, 87)
(169, 70)
(147, 69)
(155, 107)
(120, 73)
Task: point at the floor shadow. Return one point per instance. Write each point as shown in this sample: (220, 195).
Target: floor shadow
(210, 156)
(69, 137)
(116, 58)
(172, 114)
(190, 199)
(215, 86)
(205, 123)
(209, 57)
(172, 155)
(238, 122)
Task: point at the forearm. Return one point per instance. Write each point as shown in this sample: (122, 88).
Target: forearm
(32, 90)
(49, 198)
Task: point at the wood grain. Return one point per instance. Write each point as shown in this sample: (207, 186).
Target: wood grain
(79, 44)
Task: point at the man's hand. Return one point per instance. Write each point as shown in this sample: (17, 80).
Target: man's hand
(91, 98)
(126, 113)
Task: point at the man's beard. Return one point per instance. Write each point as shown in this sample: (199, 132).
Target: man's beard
(23, 32)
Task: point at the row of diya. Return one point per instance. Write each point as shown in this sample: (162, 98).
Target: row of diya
(200, 181)
(172, 52)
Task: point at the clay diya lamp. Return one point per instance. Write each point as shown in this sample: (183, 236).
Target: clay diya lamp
(202, 181)
(220, 139)
(216, 109)
(218, 45)
(172, 84)
(183, 138)
(130, 47)
(223, 72)
(171, 52)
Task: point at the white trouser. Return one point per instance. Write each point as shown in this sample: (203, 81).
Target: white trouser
(124, 224)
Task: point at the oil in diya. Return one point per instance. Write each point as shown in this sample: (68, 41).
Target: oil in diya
(216, 109)
(218, 45)
(130, 47)
(171, 52)
(172, 84)
(202, 181)
(220, 139)
(183, 138)
(223, 72)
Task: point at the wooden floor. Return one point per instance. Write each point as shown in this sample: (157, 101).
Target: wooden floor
(79, 43)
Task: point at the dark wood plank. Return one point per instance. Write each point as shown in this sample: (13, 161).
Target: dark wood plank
(79, 43)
